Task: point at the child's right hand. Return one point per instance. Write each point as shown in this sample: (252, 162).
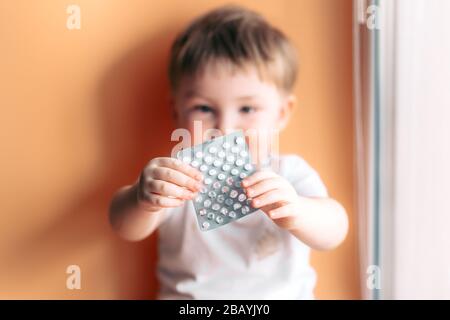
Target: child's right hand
(167, 183)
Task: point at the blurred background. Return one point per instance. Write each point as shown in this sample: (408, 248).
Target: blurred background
(84, 108)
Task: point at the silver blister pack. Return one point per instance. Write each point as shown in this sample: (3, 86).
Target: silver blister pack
(223, 162)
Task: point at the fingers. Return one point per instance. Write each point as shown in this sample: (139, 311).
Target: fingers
(160, 201)
(167, 183)
(268, 198)
(263, 186)
(175, 177)
(258, 176)
(179, 166)
(169, 189)
(281, 212)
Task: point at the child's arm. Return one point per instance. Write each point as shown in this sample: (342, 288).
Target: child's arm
(137, 210)
(320, 223)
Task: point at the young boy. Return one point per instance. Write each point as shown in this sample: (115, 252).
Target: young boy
(231, 70)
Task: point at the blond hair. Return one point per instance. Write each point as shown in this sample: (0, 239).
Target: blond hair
(238, 36)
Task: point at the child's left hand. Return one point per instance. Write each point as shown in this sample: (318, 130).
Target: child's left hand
(275, 196)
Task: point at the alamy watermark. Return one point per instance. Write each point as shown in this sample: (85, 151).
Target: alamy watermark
(73, 281)
(263, 143)
(73, 21)
(373, 281)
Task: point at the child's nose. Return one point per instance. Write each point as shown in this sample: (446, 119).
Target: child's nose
(226, 123)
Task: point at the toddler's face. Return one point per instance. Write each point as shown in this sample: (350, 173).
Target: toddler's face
(230, 101)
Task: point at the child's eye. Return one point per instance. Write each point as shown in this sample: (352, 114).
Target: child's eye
(247, 109)
(203, 108)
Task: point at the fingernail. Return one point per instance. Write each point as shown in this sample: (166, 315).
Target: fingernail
(249, 192)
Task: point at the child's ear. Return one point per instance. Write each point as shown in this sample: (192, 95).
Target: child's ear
(286, 109)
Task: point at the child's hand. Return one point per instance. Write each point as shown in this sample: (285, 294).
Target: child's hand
(167, 183)
(275, 196)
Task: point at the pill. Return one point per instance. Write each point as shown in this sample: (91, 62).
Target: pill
(220, 176)
(195, 163)
(245, 210)
(205, 225)
(212, 150)
(208, 159)
(212, 194)
(219, 219)
(242, 197)
(239, 140)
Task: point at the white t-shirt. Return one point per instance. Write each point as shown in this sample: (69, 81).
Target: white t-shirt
(251, 258)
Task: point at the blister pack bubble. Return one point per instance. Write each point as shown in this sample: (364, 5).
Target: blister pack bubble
(224, 162)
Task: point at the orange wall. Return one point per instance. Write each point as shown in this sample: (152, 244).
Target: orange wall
(81, 114)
